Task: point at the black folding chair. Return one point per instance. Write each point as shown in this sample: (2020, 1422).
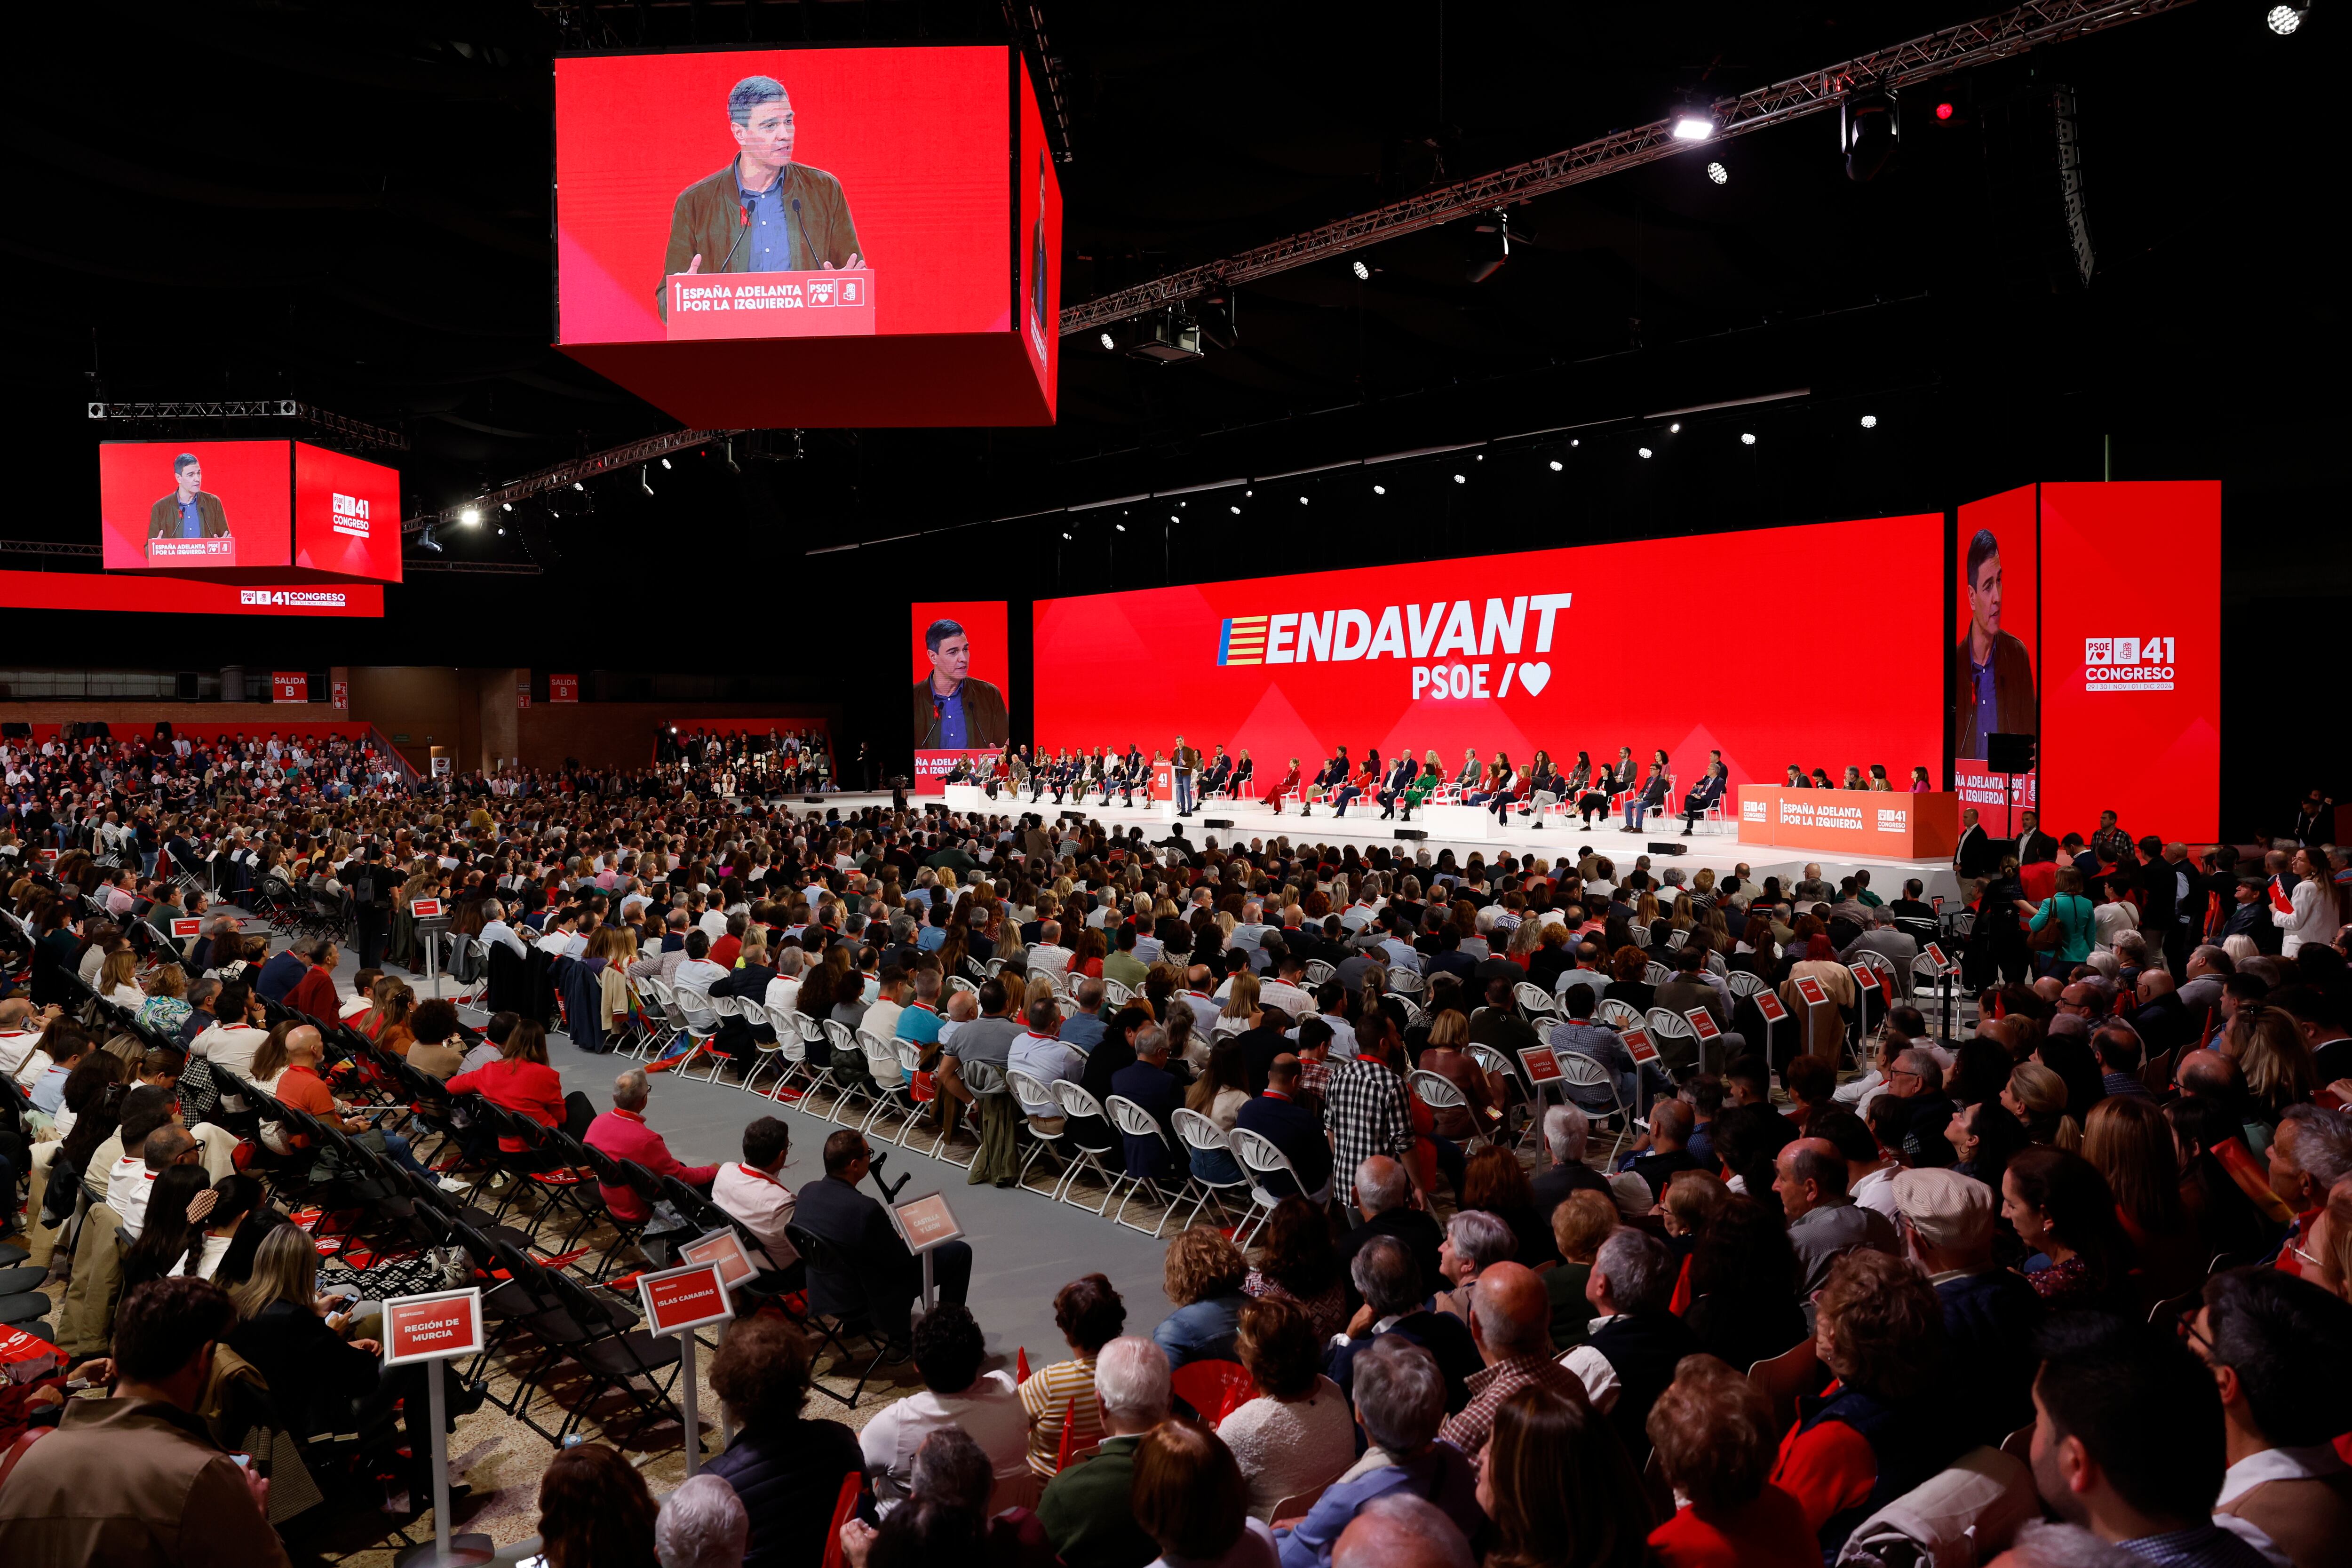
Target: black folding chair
(836, 1328)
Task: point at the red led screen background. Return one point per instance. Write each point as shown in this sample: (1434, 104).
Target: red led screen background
(2127, 728)
(2010, 516)
(346, 515)
(916, 136)
(1142, 666)
(248, 476)
(1037, 256)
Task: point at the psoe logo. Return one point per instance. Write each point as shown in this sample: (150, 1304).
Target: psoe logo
(2127, 664)
(1893, 819)
(351, 515)
(1753, 811)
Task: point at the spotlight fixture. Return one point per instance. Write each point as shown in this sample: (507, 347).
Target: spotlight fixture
(1246, 494)
(578, 486)
(1121, 526)
(1066, 535)
(1235, 510)
(1166, 336)
(1379, 489)
(1747, 439)
(1719, 173)
(1644, 450)
(1694, 122)
(644, 483)
(2284, 19)
(506, 506)
(502, 533)
(1172, 518)
(1108, 342)
(1492, 258)
(1555, 464)
(1363, 273)
(427, 541)
(665, 465)
(1302, 501)
(471, 517)
(1460, 481)
(1870, 421)
(1676, 428)
(1868, 131)
(1576, 441)
(1946, 110)
(732, 465)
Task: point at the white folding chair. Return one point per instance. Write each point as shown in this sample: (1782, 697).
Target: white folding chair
(1676, 941)
(1409, 982)
(1617, 1013)
(1262, 1157)
(1534, 1002)
(1076, 1103)
(1415, 1015)
(1115, 995)
(848, 1086)
(770, 1049)
(1656, 973)
(1578, 1070)
(1746, 983)
(1439, 1093)
(1027, 1091)
(1666, 1024)
(958, 983)
(1133, 1121)
(895, 1085)
(1197, 1132)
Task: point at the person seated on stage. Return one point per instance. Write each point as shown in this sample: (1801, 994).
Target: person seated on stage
(887, 1275)
(1288, 782)
(1545, 788)
(1356, 786)
(1652, 794)
(1708, 794)
(1395, 789)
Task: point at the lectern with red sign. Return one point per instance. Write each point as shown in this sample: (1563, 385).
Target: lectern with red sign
(926, 1223)
(829, 304)
(431, 1329)
(679, 1301)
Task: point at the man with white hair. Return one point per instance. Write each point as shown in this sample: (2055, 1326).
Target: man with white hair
(702, 1524)
(495, 929)
(1086, 1508)
(1047, 956)
(1567, 1132)
(1400, 1399)
(1633, 1345)
(1399, 1529)
(1383, 1199)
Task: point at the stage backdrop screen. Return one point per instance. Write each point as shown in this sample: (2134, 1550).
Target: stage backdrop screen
(1994, 682)
(1587, 649)
(960, 675)
(798, 193)
(170, 506)
(2132, 692)
(346, 515)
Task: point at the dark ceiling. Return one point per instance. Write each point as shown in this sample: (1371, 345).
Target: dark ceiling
(348, 204)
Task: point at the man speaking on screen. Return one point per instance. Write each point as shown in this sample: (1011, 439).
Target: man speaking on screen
(1996, 673)
(763, 211)
(190, 512)
(953, 711)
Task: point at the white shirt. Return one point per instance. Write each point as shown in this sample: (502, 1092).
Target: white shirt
(233, 1048)
(991, 1413)
(128, 1184)
(1592, 1368)
(1876, 1191)
(1052, 960)
(498, 931)
(1045, 1057)
(783, 990)
(16, 1048)
(763, 1203)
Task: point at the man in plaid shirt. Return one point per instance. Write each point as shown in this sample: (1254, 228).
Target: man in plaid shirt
(1365, 1110)
(1511, 1322)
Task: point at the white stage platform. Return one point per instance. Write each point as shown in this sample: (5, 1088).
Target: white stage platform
(1253, 822)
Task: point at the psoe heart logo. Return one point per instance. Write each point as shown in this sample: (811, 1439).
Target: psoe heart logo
(1894, 818)
(1753, 811)
(351, 515)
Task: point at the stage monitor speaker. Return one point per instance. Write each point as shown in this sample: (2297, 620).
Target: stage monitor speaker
(1669, 847)
(812, 799)
(162, 728)
(1077, 816)
(2009, 754)
(1413, 833)
(1217, 822)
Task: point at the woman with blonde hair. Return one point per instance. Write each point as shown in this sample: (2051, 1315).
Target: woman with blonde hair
(2130, 1142)
(2037, 1097)
(2271, 1056)
(118, 978)
(166, 1007)
(1241, 1009)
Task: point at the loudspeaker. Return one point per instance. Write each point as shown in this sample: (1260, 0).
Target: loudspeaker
(1077, 816)
(1669, 847)
(162, 728)
(2009, 754)
(1217, 822)
(813, 799)
(1413, 833)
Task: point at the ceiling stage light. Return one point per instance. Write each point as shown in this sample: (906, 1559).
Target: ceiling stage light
(1719, 173)
(1644, 450)
(1379, 489)
(2284, 19)
(1460, 481)
(1363, 273)
(1694, 124)
(471, 517)
(1555, 464)
(1108, 342)
(1870, 421)
(1747, 438)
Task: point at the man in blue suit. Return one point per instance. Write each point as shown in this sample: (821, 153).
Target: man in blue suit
(1148, 1083)
(1697, 801)
(1277, 1116)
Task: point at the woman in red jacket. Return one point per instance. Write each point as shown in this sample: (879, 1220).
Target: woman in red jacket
(519, 1080)
(1289, 782)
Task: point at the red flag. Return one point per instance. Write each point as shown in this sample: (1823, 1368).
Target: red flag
(851, 1485)
(1020, 1364)
(1069, 1431)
